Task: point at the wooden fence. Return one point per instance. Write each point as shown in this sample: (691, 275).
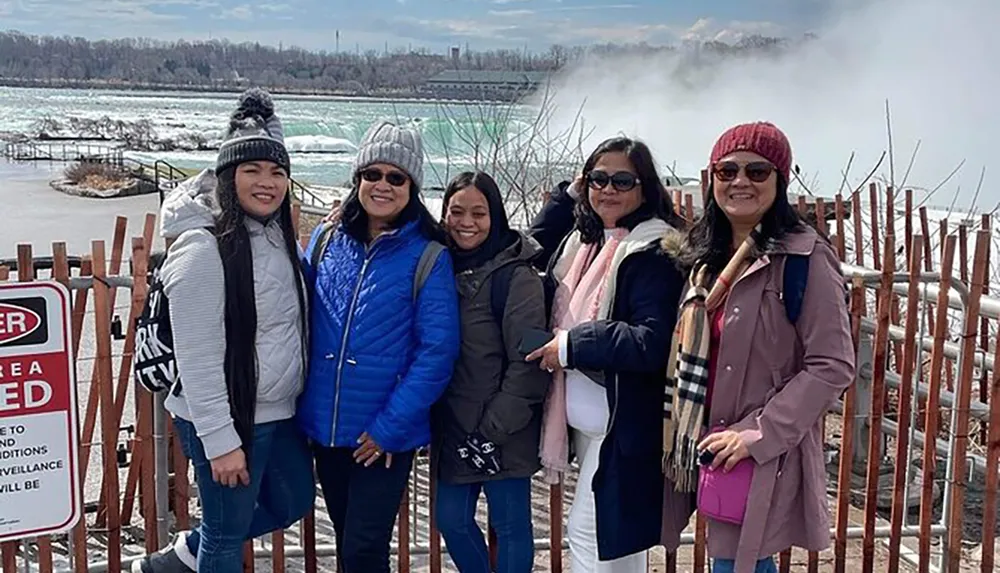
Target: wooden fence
(905, 304)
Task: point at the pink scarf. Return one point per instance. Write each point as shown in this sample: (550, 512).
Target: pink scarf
(577, 300)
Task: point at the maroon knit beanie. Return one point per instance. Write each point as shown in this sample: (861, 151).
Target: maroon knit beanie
(762, 138)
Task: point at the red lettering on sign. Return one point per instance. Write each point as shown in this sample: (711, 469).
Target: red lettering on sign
(42, 384)
(17, 322)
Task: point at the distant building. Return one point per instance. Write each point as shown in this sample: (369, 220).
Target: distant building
(484, 84)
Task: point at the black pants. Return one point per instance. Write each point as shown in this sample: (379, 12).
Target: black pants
(363, 503)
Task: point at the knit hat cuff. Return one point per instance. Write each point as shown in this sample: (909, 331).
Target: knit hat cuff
(391, 153)
(762, 138)
(242, 150)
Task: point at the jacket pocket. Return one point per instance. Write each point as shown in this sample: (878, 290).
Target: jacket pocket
(281, 375)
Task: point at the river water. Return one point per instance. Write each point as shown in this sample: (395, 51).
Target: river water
(321, 133)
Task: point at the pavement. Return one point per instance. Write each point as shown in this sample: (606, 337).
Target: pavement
(33, 212)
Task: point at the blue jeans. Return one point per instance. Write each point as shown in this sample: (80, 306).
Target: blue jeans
(729, 566)
(280, 493)
(509, 502)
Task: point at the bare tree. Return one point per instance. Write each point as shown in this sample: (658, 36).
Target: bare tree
(516, 144)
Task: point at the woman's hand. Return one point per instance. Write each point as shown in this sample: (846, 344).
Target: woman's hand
(577, 187)
(549, 355)
(369, 451)
(231, 469)
(727, 446)
(334, 215)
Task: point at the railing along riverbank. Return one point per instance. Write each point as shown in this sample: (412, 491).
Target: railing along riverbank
(914, 496)
(164, 176)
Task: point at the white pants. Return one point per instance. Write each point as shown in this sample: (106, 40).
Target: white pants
(581, 529)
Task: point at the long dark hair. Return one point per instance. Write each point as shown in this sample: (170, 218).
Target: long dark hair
(710, 239)
(500, 236)
(354, 218)
(656, 203)
(241, 360)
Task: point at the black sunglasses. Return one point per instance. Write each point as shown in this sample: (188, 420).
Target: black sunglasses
(373, 175)
(757, 171)
(622, 181)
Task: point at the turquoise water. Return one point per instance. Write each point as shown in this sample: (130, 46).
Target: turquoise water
(321, 133)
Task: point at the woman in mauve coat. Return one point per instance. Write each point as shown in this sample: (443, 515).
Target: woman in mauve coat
(769, 381)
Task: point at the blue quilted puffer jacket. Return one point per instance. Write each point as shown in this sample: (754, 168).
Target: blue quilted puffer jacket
(378, 359)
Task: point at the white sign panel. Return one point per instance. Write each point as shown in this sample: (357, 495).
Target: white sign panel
(39, 443)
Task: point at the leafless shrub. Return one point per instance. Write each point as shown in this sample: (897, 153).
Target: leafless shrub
(515, 144)
(95, 175)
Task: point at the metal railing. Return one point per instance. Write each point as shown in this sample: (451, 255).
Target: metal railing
(165, 176)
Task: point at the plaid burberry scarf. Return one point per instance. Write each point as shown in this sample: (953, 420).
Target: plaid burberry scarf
(687, 373)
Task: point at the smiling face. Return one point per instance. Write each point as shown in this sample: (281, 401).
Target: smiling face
(261, 186)
(745, 186)
(614, 200)
(384, 191)
(468, 218)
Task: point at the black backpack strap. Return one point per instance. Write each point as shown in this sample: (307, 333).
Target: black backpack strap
(794, 280)
(321, 243)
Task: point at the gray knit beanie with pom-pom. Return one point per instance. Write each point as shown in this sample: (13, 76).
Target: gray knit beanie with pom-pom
(254, 134)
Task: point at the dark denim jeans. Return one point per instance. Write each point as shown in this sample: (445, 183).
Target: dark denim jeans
(363, 503)
(509, 503)
(281, 491)
(728, 566)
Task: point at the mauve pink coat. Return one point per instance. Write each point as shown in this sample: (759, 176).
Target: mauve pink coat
(774, 382)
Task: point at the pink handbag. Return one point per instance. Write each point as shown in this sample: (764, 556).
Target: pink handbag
(723, 495)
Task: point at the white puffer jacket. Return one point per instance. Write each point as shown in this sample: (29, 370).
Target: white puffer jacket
(194, 284)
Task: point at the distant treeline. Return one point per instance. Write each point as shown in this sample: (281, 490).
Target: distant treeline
(219, 64)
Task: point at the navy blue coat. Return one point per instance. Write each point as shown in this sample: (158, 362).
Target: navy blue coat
(631, 349)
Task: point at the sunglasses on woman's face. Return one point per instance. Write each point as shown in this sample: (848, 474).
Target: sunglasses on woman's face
(756, 171)
(373, 175)
(622, 181)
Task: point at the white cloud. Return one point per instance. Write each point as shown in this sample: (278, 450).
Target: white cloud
(242, 12)
(134, 11)
(587, 8)
(592, 8)
(511, 13)
(623, 33)
(706, 29)
(247, 12)
(465, 27)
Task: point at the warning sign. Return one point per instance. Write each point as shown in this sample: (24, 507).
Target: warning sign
(39, 471)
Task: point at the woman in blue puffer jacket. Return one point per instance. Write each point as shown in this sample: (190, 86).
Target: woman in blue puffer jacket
(382, 348)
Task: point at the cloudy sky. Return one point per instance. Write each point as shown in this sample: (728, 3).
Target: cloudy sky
(432, 24)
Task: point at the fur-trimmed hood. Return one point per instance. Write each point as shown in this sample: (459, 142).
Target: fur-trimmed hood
(672, 242)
